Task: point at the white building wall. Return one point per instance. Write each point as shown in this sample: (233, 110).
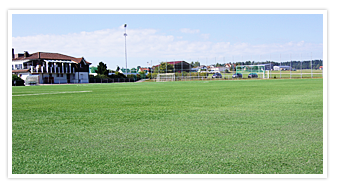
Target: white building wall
(41, 80)
(60, 79)
(24, 75)
(83, 77)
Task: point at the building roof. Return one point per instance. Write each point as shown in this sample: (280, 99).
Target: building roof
(173, 62)
(49, 56)
(147, 68)
(20, 70)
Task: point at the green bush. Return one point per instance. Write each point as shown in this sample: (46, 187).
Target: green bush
(101, 76)
(17, 81)
(154, 75)
(131, 76)
(117, 75)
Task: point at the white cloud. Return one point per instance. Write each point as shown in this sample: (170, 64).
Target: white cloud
(148, 43)
(190, 31)
(300, 43)
(205, 36)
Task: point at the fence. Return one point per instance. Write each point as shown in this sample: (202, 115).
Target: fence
(277, 66)
(268, 75)
(112, 80)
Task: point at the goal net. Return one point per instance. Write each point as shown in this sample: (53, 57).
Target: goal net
(165, 77)
(259, 70)
(32, 80)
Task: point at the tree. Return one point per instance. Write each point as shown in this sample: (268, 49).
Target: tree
(142, 74)
(17, 81)
(219, 65)
(195, 64)
(165, 67)
(102, 69)
(117, 69)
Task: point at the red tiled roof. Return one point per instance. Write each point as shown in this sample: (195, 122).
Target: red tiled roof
(20, 70)
(142, 69)
(50, 56)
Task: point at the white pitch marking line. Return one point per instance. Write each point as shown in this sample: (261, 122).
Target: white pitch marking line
(53, 93)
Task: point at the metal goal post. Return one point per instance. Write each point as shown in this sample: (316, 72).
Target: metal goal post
(165, 77)
(260, 70)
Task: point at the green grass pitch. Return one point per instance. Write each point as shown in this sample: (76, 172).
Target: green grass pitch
(198, 127)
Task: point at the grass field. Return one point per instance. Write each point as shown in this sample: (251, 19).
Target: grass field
(198, 127)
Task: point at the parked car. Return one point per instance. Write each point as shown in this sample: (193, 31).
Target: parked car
(237, 75)
(253, 75)
(217, 75)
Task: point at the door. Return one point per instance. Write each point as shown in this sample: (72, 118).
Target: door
(68, 78)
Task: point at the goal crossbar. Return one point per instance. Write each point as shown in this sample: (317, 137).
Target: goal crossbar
(260, 69)
(165, 77)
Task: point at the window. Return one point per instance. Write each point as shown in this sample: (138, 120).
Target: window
(57, 75)
(61, 75)
(17, 66)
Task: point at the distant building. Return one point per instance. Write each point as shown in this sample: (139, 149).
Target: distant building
(219, 69)
(178, 66)
(281, 68)
(128, 71)
(92, 70)
(50, 67)
(144, 69)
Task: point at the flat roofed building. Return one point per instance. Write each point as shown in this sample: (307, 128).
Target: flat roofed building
(281, 67)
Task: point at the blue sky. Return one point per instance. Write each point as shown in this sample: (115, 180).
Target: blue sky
(208, 38)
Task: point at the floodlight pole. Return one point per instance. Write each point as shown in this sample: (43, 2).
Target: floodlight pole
(270, 65)
(233, 63)
(301, 64)
(280, 66)
(290, 65)
(174, 70)
(125, 25)
(311, 63)
(182, 69)
(190, 69)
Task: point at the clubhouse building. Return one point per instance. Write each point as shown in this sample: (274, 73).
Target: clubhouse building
(50, 68)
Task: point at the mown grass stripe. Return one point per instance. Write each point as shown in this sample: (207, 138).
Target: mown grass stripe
(53, 93)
